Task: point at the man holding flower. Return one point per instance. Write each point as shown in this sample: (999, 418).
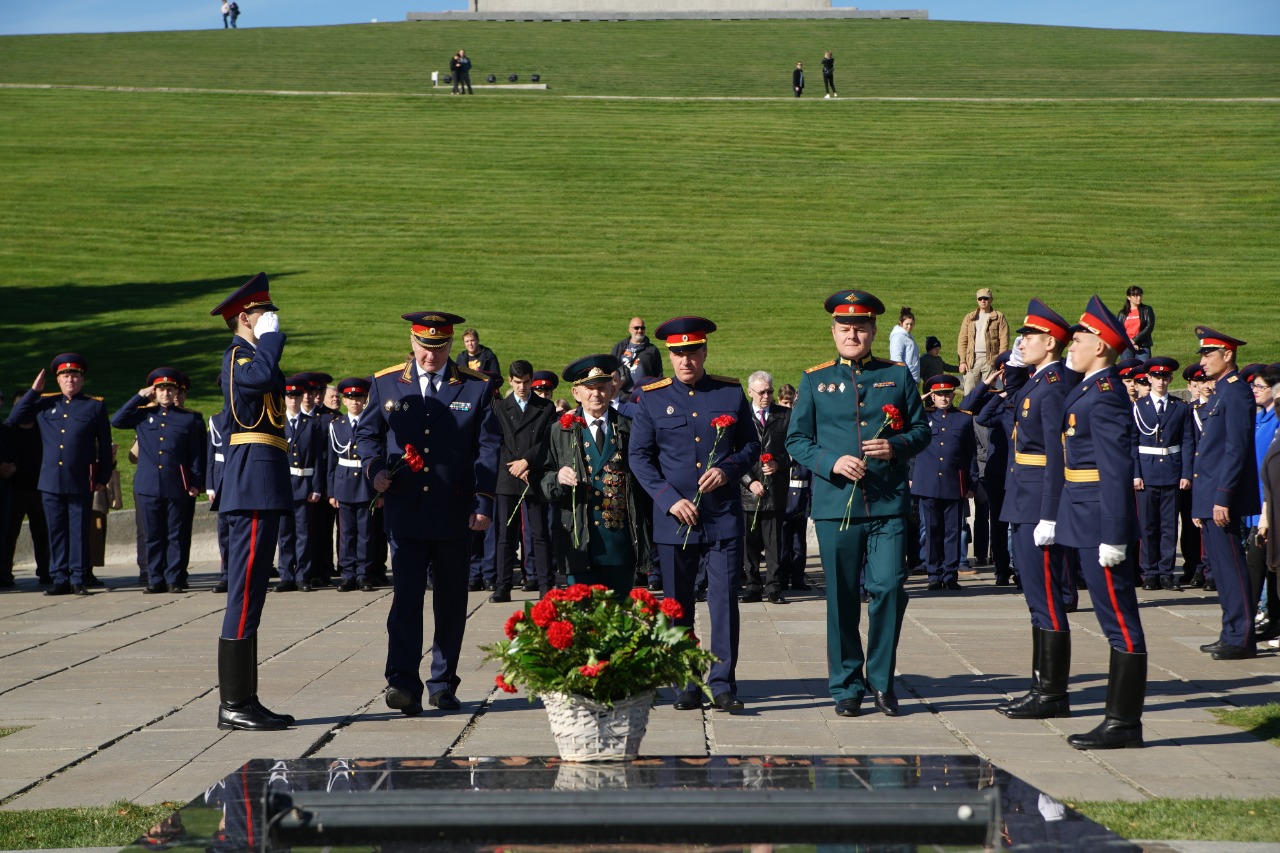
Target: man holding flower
(856, 423)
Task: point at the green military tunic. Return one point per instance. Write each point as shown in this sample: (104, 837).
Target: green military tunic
(839, 405)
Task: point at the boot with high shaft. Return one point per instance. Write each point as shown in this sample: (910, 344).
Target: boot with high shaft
(1051, 670)
(1126, 692)
(237, 677)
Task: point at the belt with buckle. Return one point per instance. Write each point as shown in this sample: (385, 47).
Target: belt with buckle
(349, 463)
(1158, 451)
(302, 472)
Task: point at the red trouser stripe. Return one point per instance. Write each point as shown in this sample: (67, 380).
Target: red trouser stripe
(250, 842)
(1115, 608)
(248, 576)
(1050, 604)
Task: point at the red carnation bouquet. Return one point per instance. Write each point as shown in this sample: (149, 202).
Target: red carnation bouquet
(722, 424)
(410, 459)
(576, 423)
(583, 641)
(892, 420)
(765, 459)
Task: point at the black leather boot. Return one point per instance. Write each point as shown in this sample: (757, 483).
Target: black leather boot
(237, 674)
(1003, 707)
(1126, 691)
(288, 719)
(1052, 668)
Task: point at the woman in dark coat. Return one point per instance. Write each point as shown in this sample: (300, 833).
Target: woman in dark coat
(1139, 322)
(1269, 522)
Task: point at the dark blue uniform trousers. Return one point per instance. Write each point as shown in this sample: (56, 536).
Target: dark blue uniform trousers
(251, 545)
(224, 536)
(1158, 521)
(167, 524)
(1223, 550)
(484, 555)
(67, 517)
(942, 522)
(1045, 577)
(1115, 602)
(413, 562)
(355, 540)
(723, 561)
(295, 544)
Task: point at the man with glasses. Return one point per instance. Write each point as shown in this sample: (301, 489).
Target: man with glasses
(637, 356)
(984, 334)
(764, 492)
(1166, 453)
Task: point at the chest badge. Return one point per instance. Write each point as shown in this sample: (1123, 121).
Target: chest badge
(822, 387)
(841, 387)
(151, 420)
(671, 410)
(1071, 424)
(388, 406)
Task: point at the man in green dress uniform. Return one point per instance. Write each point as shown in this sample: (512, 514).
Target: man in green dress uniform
(856, 423)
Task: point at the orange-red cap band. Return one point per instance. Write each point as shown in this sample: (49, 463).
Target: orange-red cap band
(433, 331)
(69, 365)
(686, 339)
(1040, 324)
(1215, 342)
(852, 310)
(1099, 328)
(165, 380)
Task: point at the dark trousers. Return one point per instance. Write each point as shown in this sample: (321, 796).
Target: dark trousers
(990, 534)
(942, 520)
(413, 562)
(188, 521)
(724, 578)
(295, 544)
(1158, 521)
(532, 516)
(1045, 577)
(68, 520)
(252, 536)
(829, 82)
(484, 555)
(794, 550)
(167, 526)
(26, 503)
(1115, 601)
(1188, 535)
(224, 533)
(323, 519)
(1224, 550)
(355, 540)
(529, 559)
(764, 539)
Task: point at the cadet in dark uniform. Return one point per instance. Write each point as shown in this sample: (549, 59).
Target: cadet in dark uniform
(998, 424)
(1195, 568)
(76, 437)
(1166, 454)
(444, 412)
(690, 467)
(254, 494)
(307, 471)
(544, 384)
(322, 516)
(1225, 490)
(171, 457)
(214, 461)
(943, 478)
(860, 470)
(350, 493)
(1097, 517)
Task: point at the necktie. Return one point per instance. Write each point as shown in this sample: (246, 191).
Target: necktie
(293, 424)
(761, 415)
(430, 390)
(1159, 408)
(600, 434)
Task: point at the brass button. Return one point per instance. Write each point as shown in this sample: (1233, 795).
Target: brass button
(59, 461)
(426, 488)
(864, 423)
(695, 414)
(64, 430)
(61, 446)
(426, 432)
(162, 438)
(597, 524)
(690, 393)
(596, 508)
(699, 465)
(158, 467)
(425, 469)
(697, 438)
(426, 450)
(597, 495)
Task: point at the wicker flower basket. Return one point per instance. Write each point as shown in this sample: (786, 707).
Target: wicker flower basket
(586, 730)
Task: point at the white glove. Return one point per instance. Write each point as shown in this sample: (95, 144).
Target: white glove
(1111, 555)
(1044, 533)
(268, 321)
(1015, 354)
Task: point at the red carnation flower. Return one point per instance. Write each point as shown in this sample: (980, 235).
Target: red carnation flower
(599, 587)
(544, 612)
(593, 670)
(560, 635)
(672, 608)
(413, 458)
(577, 592)
(501, 681)
(510, 627)
(647, 602)
(893, 416)
(724, 421)
(766, 458)
(569, 420)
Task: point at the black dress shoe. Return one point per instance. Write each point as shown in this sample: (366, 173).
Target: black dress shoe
(954, 586)
(475, 586)
(775, 598)
(445, 701)
(700, 595)
(1268, 630)
(1197, 578)
(865, 597)
(59, 589)
(305, 586)
(90, 580)
(220, 586)
(530, 586)
(1210, 585)
(1209, 648)
(689, 700)
(80, 589)
(177, 587)
(155, 589)
(248, 716)
(286, 586)
(365, 586)
(489, 586)
(348, 585)
(1004, 581)
(934, 586)
(402, 701)
(1170, 584)
(751, 597)
(1150, 584)
(886, 702)
(500, 596)
(1229, 652)
(849, 707)
(727, 701)
(800, 586)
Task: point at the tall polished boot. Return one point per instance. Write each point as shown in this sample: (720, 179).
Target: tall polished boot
(288, 719)
(237, 675)
(1126, 691)
(1003, 707)
(1052, 668)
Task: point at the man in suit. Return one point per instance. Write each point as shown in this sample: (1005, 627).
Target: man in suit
(307, 469)
(255, 494)
(436, 496)
(171, 457)
(1097, 516)
(524, 418)
(943, 478)
(764, 493)
(76, 462)
(691, 441)
(1166, 454)
(351, 494)
(1225, 490)
(856, 424)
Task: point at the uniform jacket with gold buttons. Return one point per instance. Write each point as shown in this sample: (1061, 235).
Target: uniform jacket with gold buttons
(76, 438)
(171, 447)
(948, 467)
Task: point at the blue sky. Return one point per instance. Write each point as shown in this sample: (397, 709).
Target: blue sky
(67, 16)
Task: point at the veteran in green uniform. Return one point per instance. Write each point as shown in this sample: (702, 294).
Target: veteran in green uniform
(598, 534)
(859, 452)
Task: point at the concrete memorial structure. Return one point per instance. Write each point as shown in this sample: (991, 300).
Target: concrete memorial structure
(639, 10)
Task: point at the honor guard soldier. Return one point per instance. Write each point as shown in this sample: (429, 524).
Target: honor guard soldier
(171, 457)
(856, 424)
(997, 424)
(436, 494)
(1224, 491)
(307, 471)
(1096, 516)
(943, 478)
(1166, 454)
(1032, 494)
(76, 437)
(215, 458)
(350, 493)
(691, 441)
(255, 494)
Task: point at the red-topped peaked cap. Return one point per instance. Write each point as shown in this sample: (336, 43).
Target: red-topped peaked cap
(680, 332)
(1099, 320)
(1044, 320)
(433, 329)
(69, 361)
(254, 293)
(1162, 366)
(354, 386)
(167, 376)
(941, 382)
(1212, 340)
(848, 306)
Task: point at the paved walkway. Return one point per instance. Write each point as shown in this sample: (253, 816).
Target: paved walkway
(117, 694)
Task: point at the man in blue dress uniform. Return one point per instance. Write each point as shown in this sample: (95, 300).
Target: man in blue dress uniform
(998, 423)
(1097, 517)
(76, 462)
(690, 467)
(1033, 489)
(307, 471)
(445, 413)
(943, 477)
(255, 493)
(350, 493)
(1166, 454)
(859, 454)
(171, 457)
(215, 459)
(1224, 491)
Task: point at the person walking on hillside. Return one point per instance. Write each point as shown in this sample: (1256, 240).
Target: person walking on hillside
(797, 79)
(829, 80)
(234, 8)
(464, 73)
(455, 73)
(902, 345)
(226, 14)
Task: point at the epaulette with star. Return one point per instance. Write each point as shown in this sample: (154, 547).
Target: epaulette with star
(1052, 377)
(1104, 384)
(389, 370)
(824, 364)
(472, 373)
(654, 386)
(91, 397)
(152, 405)
(728, 380)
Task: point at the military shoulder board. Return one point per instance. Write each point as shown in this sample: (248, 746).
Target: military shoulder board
(52, 394)
(821, 366)
(395, 368)
(1052, 377)
(473, 373)
(91, 397)
(728, 380)
(1104, 384)
(654, 386)
(1233, 378)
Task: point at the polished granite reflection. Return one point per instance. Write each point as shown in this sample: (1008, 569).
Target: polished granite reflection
(234, 812)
